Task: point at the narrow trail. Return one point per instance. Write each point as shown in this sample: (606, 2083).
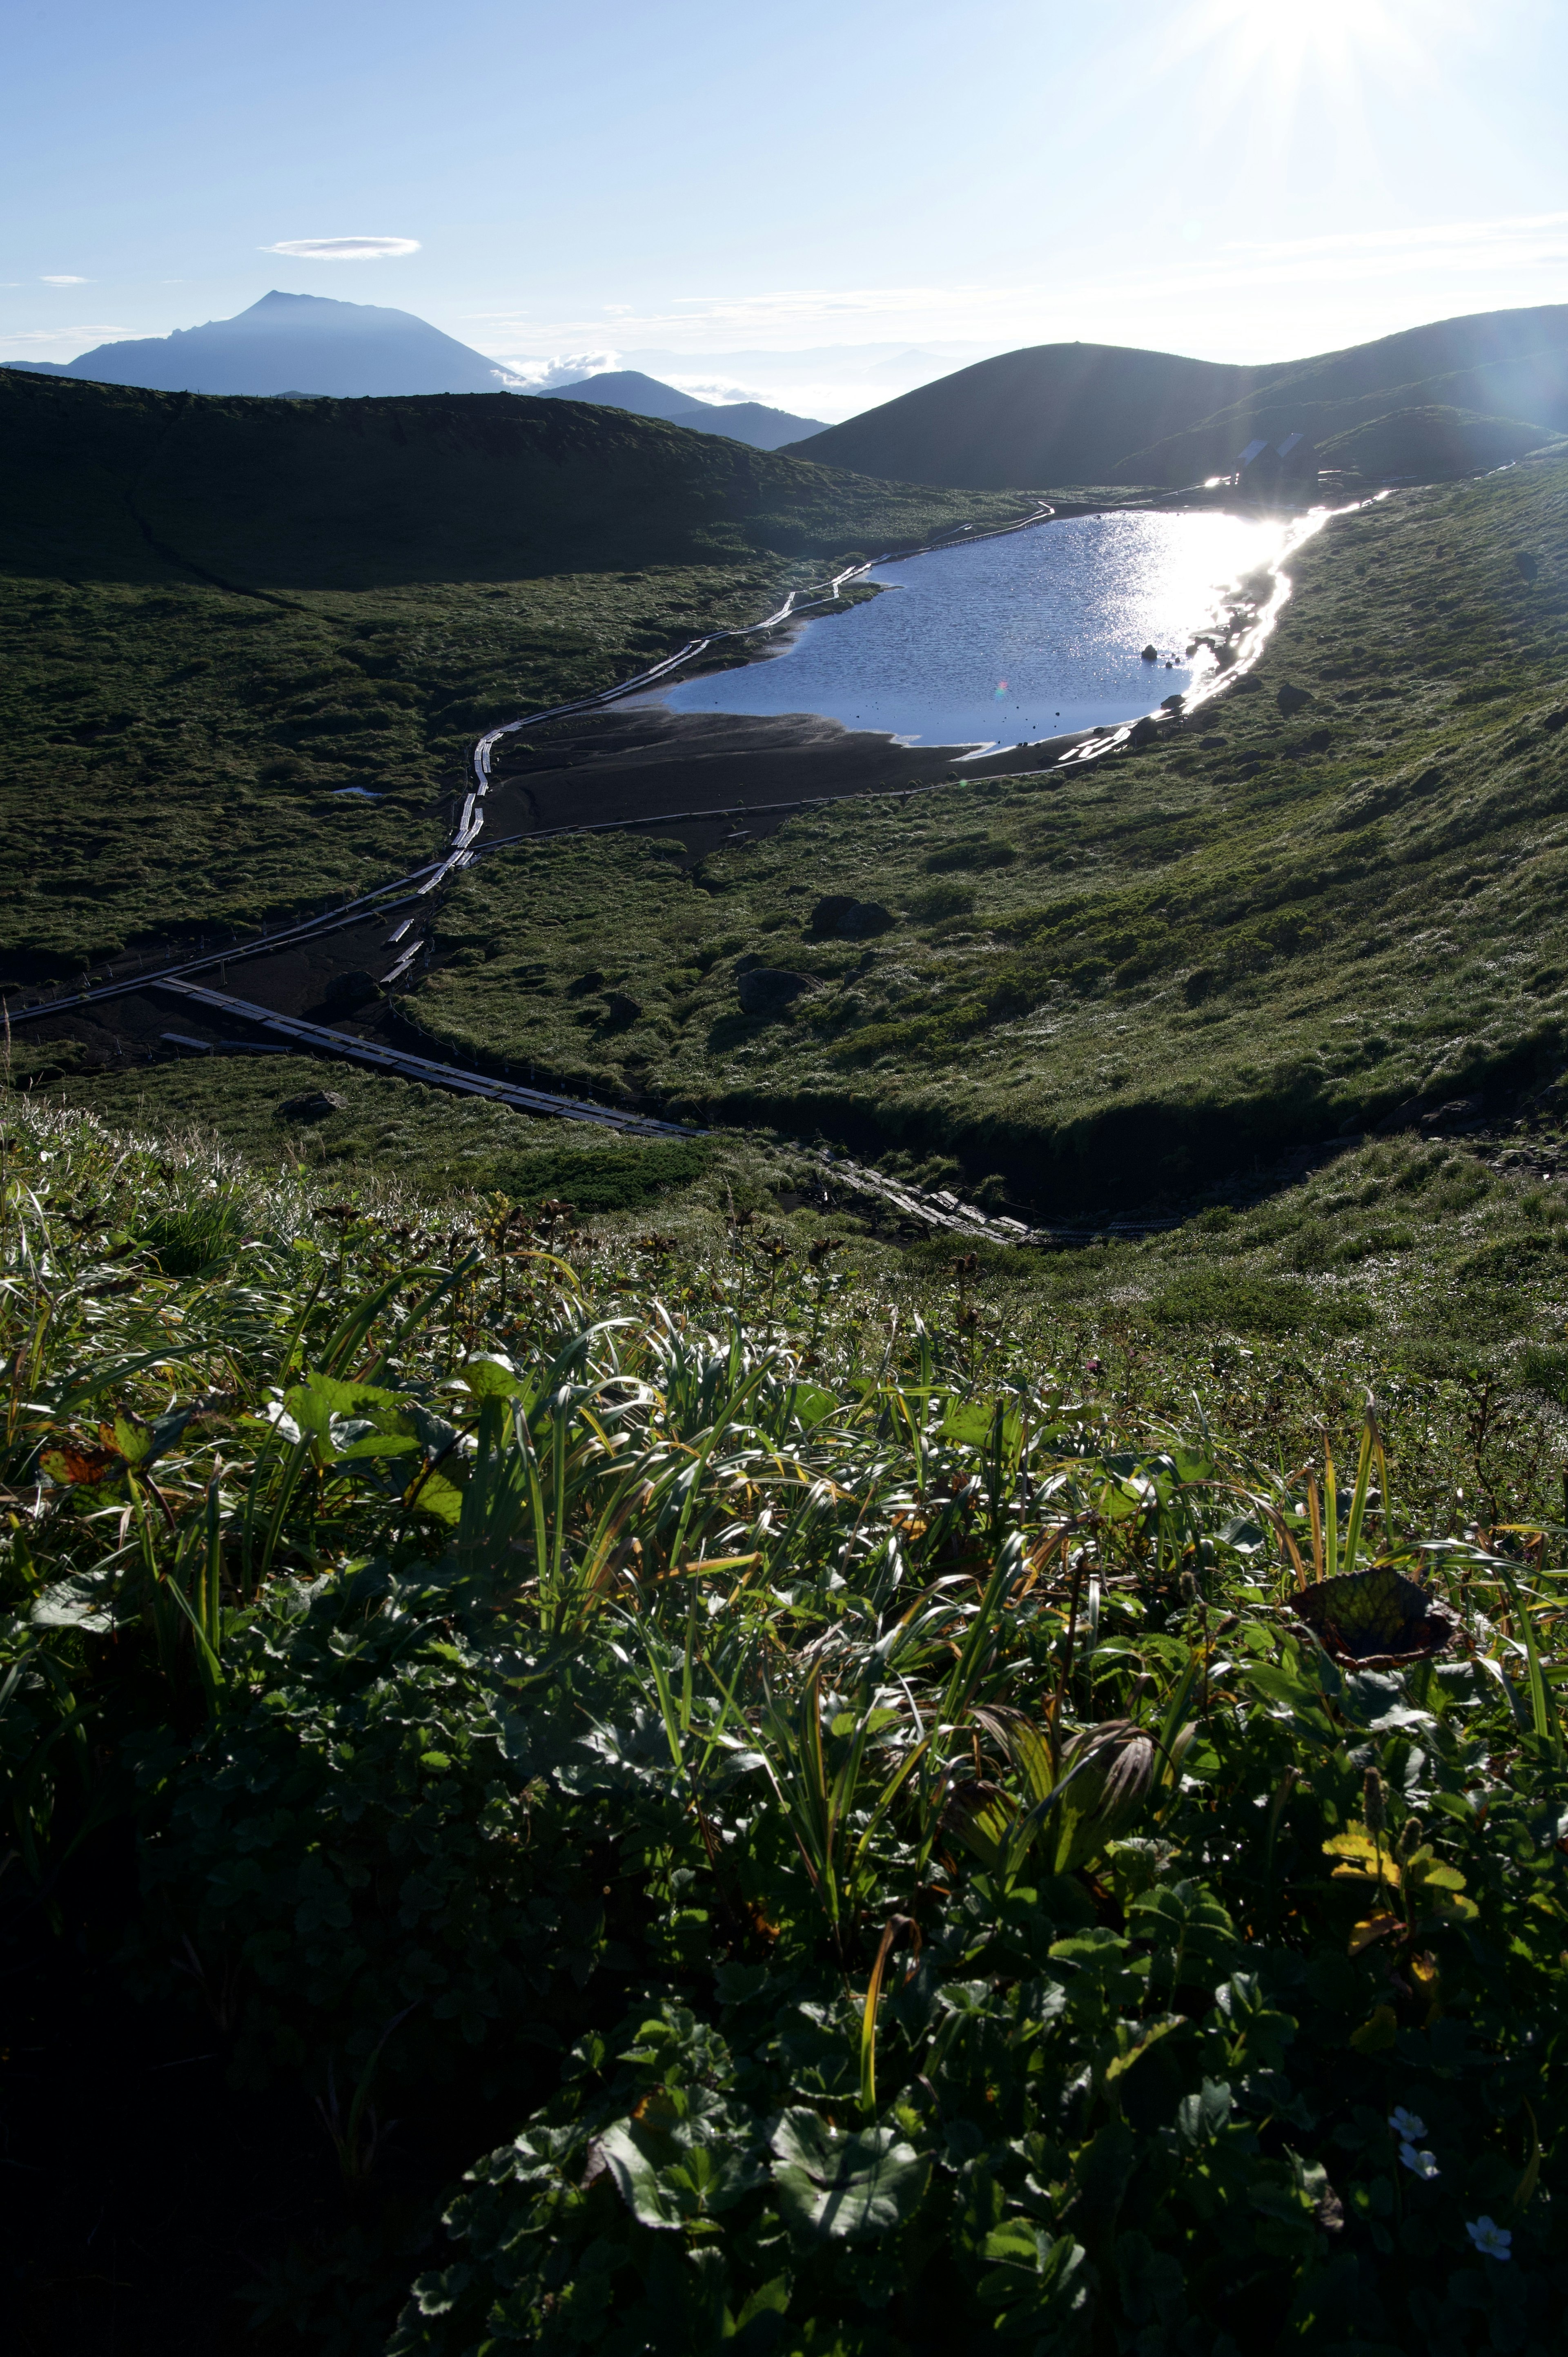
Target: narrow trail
(322, 1039)
(412, 891)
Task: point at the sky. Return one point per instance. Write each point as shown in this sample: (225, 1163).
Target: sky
(816, 206)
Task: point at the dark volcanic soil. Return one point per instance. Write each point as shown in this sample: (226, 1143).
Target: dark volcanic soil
(638, 762)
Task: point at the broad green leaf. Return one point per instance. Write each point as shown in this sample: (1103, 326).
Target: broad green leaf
(812, 1404)
(1033, 2277)
(441, 1498)
(672, 2172)
(72, 1604)
(842, 2188)
(488, 1375)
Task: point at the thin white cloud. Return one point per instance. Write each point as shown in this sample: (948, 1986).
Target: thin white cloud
(1439, 268)
(51, 279)
(98, 335)
(342, 249)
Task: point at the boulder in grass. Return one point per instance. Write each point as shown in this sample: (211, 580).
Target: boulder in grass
(830, 911)
(768, 990)
(1144, 732)
(841, 914)
(314, 1105)
(1293, 699)
(1458, 1112)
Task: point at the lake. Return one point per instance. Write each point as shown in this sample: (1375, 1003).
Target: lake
(1012, 640)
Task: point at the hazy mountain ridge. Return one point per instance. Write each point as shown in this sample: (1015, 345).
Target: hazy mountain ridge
(309, 344)
(312, 346)
(752, 422)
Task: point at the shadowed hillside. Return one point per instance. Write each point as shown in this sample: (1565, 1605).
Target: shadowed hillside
(1500, 365)
(1096, 414)
(336, 495)
(1054, 413)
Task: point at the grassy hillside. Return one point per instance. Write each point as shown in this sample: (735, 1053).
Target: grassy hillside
(1092, 414)
(223, 624)
(1106, 984)
(1511, 365)
(1430, 443)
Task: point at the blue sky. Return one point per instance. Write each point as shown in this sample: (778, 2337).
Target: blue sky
(814, 205)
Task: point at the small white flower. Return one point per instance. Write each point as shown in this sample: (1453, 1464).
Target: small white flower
(1421, 2164)
(1494, 2241)
(1409, 2126)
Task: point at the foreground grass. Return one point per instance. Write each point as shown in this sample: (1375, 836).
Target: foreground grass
(1433, 1271)
(641, 1674)
(1272, 927)
(226, 626)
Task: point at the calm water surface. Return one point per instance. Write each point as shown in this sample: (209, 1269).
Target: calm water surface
(1012, 640)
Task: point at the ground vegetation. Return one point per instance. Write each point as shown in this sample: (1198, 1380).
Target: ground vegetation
(845, 1809)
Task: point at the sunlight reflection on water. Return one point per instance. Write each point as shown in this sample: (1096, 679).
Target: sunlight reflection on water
(1012, 640)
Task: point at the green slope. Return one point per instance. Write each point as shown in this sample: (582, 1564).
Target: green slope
(1095, 414)
(1126, 980)
(224, 623)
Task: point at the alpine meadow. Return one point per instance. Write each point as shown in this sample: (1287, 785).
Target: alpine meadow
(784, 1515)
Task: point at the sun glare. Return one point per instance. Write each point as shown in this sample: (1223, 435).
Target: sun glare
(1281, 45)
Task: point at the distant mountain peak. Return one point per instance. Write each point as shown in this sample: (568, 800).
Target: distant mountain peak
(309, 344)
(751, 422)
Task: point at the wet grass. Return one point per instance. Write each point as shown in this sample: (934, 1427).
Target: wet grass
(1433, 1272)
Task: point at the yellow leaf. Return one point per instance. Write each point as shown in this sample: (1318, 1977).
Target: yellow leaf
(1377, 2033)
(1390, 1874)
(1437, 1878)
(1354, 1842)
(1152, 2031)
(1375, 1927)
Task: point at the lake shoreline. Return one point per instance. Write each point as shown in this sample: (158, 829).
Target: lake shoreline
(630, 766)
